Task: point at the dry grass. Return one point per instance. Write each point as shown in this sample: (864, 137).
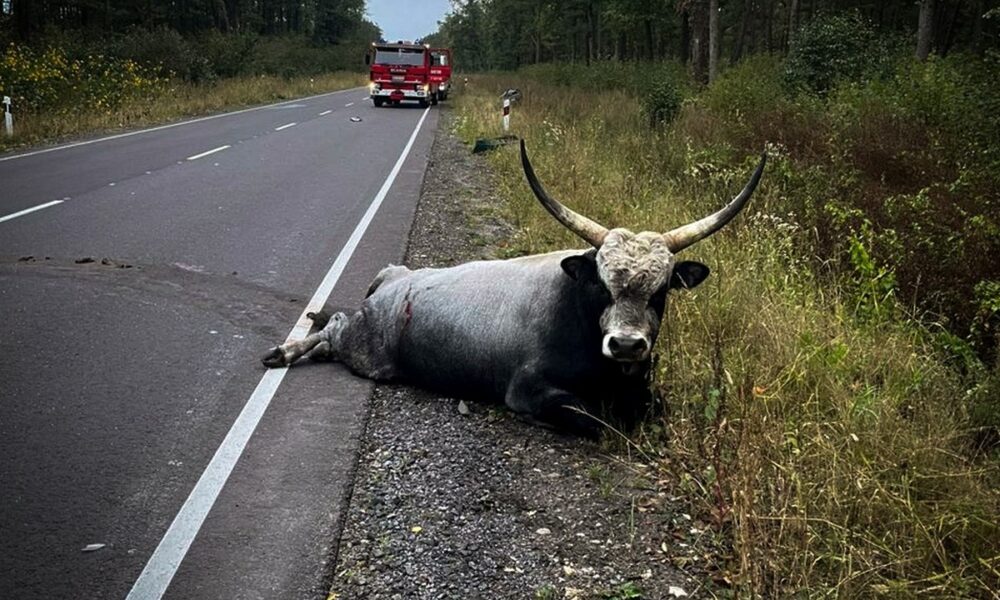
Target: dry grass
(176, 101)
(829, 453)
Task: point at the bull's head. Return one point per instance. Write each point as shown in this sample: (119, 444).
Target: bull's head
(636, 269)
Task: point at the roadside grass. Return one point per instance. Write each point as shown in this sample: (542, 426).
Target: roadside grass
(168, 101)
(805, 415)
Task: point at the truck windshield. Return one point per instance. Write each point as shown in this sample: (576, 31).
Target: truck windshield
(399, 57)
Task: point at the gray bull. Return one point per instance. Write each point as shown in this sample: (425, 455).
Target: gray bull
(557, 337)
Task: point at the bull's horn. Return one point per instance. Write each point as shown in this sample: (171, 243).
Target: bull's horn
(590, 231)
(682, 237)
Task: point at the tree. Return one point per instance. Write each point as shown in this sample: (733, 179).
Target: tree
(713, 40)
(925, 29)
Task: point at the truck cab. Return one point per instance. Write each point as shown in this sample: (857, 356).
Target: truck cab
(441, 71)
(402, 72)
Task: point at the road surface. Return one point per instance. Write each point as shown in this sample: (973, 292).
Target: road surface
(141, 278)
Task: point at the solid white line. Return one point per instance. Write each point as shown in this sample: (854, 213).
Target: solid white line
(348, 104)
(325, 112)
(212, 151)
(158, 572)
(161, 127)
(286, 126)
(26, 211)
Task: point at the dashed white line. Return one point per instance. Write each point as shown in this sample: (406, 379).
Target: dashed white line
(163, 564)
(348, 104)
(366, 97)
(212, 151)
(325, 112)
(286, 126)
(26, 211)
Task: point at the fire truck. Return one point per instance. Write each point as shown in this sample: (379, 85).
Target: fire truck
(407, 71)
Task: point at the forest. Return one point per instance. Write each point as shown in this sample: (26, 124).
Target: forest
(505, 34)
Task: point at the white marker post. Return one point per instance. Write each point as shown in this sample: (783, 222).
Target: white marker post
(506, 115)
(8, 118)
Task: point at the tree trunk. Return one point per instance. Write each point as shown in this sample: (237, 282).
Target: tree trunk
(685, 39)
(741, 40)
(793, 20)
(978, 8)
(699, 41)
(925, 29)
(21, 9)
(650, 48)
(713, 40)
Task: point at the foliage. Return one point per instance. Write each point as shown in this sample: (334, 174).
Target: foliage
(52, 82)
(840, 446)
(833, 48)
(508, 34)
(662, 102)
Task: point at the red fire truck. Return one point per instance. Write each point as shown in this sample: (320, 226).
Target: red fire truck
(406, 71)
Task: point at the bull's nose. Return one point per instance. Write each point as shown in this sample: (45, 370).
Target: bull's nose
(627, 347)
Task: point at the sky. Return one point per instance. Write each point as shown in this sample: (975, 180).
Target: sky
(407, 19)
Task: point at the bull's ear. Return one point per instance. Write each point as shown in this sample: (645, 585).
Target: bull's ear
(687, 275)
(580, 267)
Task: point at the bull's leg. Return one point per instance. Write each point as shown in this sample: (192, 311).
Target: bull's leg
(536, 400)
(319, 345)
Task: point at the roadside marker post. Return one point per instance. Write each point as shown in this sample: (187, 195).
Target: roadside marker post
(8, 117)
(509, 97)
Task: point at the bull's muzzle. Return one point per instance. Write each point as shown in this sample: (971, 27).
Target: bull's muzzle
(626, 347)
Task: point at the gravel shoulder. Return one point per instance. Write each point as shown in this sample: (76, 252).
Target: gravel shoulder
(466, 501)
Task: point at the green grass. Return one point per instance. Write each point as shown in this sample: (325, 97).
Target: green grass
(816, 427)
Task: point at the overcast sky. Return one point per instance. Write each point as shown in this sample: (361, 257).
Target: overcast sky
(407, 19)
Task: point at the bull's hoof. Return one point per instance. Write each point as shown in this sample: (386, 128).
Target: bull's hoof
(275, 358)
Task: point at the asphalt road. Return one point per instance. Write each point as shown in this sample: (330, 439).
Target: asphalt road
(120, 378)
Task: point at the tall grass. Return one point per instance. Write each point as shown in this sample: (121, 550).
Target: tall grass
(810, 421)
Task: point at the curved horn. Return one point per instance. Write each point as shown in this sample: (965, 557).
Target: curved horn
(682, 237)
(590, 231)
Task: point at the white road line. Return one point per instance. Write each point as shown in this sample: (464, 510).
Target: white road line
(366, 97)
(163, 564)
(286, 126)
(212, 151)
(162, 127)
(348, 104)
(26, 211)
(325, 112)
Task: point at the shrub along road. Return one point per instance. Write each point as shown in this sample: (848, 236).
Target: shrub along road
(141, 277)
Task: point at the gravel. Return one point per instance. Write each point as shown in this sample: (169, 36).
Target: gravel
(463, 500)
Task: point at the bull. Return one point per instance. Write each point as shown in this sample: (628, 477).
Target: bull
(557, 337)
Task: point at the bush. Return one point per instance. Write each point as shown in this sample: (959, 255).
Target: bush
(228, 55)
(51, 81)
(832, 48)
(166, 50)
(663, 101)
